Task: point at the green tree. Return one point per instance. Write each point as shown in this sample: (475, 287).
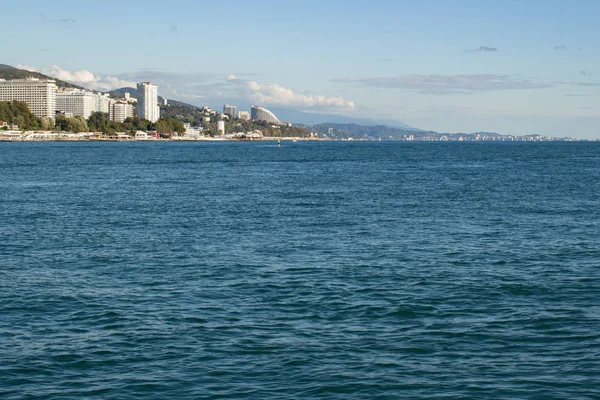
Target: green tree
(17, 112)
(47, 124)
(169, 125)
(98, 122)
(61, 123)
(20, 121)
(77, 124)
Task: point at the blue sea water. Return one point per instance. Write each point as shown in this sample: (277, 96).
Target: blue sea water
(310, 271)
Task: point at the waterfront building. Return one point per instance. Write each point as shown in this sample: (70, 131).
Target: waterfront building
(263, 115)
(194, 132)
(147, 105)
(81, 103)
(40, 95)
(221, 127)
(245, 115)
(76, 103)
(120, 111)
(140, 135)
(230, 110)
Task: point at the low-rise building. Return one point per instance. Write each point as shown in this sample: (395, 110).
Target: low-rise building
(139, 135)
(11, 135)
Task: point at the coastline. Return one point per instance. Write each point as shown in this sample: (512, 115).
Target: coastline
(71, 137)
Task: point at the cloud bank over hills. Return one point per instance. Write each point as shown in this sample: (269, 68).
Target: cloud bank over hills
(82, 77)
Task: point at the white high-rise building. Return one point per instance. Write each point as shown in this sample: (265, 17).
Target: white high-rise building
(120, 111)
(40, 95)
(230, 110)
(147, 104)
(221, 127)
(104, 102)
(76, 103)
(81, 103)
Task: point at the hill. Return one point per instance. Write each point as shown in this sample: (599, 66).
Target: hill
(342, 131)
(120, 93)
(7, 72)
(309, 118)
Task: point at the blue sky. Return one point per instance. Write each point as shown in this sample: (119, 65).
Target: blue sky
(514, 67)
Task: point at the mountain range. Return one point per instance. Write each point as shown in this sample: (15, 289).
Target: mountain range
(310, 118)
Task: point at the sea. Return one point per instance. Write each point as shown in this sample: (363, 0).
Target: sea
(314, 270)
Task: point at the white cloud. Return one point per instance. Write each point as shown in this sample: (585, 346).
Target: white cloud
(203, 86)
(83, 77)
(274, 94)
(449, 84)
(27, 68)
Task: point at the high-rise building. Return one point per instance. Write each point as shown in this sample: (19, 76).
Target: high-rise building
(263, 115)
(103, 103)
(147, 105)
(120, 111)
(81, 103)
(76, 103)
(245, 115)
(40, 95)
(230, 110)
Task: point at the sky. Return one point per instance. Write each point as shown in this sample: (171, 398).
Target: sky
(513, 67)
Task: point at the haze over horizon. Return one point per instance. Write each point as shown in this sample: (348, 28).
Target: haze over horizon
(465, 66)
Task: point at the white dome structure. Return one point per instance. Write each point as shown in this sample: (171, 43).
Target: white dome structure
(264, 115)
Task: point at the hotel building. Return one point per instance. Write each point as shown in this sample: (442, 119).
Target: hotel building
(263, 115)
(81, 103)
(76, 103)
(40, 95)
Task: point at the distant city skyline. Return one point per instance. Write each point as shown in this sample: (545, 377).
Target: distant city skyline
(463, 66)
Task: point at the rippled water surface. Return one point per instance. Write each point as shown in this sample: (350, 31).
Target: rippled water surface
(314, 270)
